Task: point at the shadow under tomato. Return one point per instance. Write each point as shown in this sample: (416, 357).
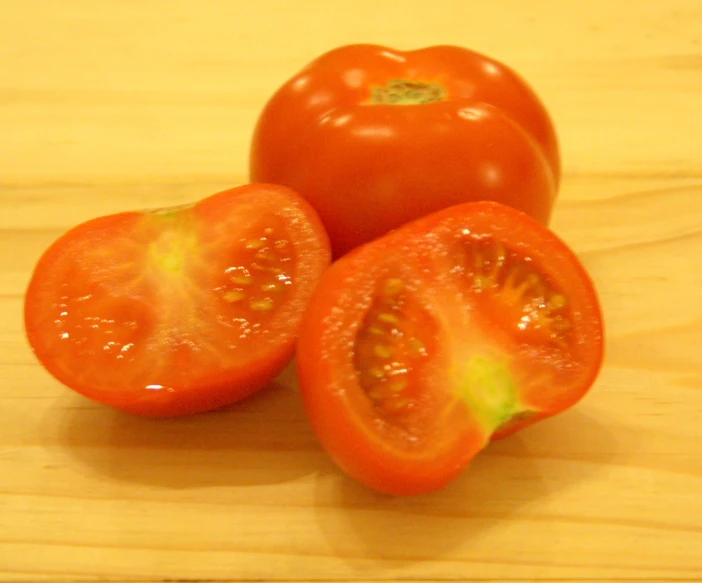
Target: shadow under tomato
(500, 485)
(264, 439)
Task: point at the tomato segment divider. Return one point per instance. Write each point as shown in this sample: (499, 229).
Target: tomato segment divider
(178, 310)
(420, 348)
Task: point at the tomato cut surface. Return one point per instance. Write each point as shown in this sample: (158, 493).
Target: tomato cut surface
(178, 310)
(421, 347)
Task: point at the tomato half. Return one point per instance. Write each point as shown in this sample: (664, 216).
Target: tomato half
(178, 310)
(421, 347)
(374, 137)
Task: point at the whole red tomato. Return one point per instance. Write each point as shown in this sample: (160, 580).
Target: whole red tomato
(374, 137)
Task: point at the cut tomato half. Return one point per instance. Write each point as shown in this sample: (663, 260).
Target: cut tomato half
(178, 310)
(461, 327)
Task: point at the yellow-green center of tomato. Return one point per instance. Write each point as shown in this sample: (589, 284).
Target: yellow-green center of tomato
(175, 240)
(170, 251)
(488, 390)
(402, 92)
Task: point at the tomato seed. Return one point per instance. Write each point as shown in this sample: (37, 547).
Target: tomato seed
(395, 405)
(556, 301)
(398, 386)
(265, 256)
(500, 254)
(245, 280)
(382, 351)
(388, 318)
(263, 305)
(234, 296)
(415, 347)
(392, 286)
(480, 281)
(254, 243)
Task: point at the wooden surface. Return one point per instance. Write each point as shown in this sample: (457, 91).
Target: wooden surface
(110, 105)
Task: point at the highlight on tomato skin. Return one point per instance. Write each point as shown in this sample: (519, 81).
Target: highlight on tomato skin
(178, 310)
(375, 137)
(420, 348)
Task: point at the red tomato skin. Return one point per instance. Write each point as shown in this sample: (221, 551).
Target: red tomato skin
(370, 168)
(336, 405)
(211, 387)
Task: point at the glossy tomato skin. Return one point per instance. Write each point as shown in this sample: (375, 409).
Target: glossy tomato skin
(371, 167)
(177, 311)
(477, 320)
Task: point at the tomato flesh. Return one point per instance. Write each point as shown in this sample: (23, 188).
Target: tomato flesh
(420, 348)
(179, 310)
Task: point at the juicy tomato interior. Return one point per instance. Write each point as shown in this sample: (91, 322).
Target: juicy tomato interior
(181, 309)
(456, 329)
(391, 351)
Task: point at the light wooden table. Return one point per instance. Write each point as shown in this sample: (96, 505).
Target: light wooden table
(112, 105)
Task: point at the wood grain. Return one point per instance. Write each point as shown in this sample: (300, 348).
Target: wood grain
(112, 105)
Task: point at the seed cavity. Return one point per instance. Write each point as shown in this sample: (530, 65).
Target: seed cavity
(526, 299)
(260, 279)
(388, 354)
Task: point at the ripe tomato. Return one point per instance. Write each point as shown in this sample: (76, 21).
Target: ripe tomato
(374, 137)
(461, 327)
(178, 310)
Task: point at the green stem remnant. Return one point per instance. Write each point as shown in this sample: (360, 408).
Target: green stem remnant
(401, 92)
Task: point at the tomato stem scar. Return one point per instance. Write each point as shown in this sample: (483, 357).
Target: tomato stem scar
(402, 92)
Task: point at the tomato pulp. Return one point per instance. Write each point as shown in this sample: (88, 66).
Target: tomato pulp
(375, 137)
(421, 347)
(178, 310)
